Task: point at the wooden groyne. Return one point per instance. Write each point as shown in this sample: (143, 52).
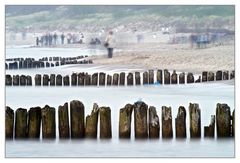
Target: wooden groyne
(117, 79)
(72, 123)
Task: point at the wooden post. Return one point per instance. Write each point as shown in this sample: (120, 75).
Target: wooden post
(28, 80)
(21, 123)
(180, 123)
(130, 79)
(38, 80)
(140, 120)
(52, 80)
(87, 79)
(63, 121)
(45, 80)
(232, 75)
(9, 122)
(198, 80)
(95, 79)
(34, 122)
(48, 122)
(109, 80)
(16, 80)
(81, 78)
(174, 77)
(125, 119)
(102, 78)
(23, 80)
(225, 75)
(195, 121)
(8, 80)
(223, 119)
(74, 79)
(154, 126)
(66, 81)
(115, 79)
(92, 123)
(122, 78)
(209, 130)
(59, 80)
(167, 131)
(166, 77)
(137, 78)
(159, 76)
(151, 77)
(182, 78)
(190, 78)
(219, 75)
(233, 123)
(77, 119)
(105, 123)
(204, 76)
(145, 78)
(210, 76)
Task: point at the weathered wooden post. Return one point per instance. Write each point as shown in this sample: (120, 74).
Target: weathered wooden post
(52, 80)
(45, 80)
(105, 122)
(77, 119)
(92, 123)
(74, 79)
(130, 79)
(166, 77)
(167, 131)
(9, 122)
(204, 76)
(210, 76)
(28, 80)
(8, 80)
(109, 80)
(59, 80)
(232, 75)
(140, 120)
(225, 75)
(95, 79)
(190, 78)
(87, 79)
(159, 76)
(122, 78)
(145, 78)
(23, 80)
(81, 78)
(16, 80)
(102, 77)
(21, 123)
(219, 75)
(34, 122)
(174, 77)
(223, 120)
(182, 78)
(115, 79)
(47, 64)
(137, 78)
(38, 80)
(63, 121)
(209, 130)
(6, 66)
(66, 80)
(233, 123)
(154, 126)
(151, 77)
(125, 119)
(198, 80)
(195, 120)
(180, 123)
(48, 122)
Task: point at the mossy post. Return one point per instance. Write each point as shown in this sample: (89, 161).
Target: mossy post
(154, 125)
(48, 122)
(180, 123)
(63, 121)
(115, 79)
(59, 80)
(190, 78)
(182, 78)
(174, 77)
(167, 131)
(8, 80)
(9, 122)
(125, 119)
(159, 77)
(204, 76)
(92, 123)
(122, 79)
(225, 75)
(109, 80)
(105, 123)
(16, 80)
(45, 80)
(66, 80)
(95, 79)
(219, 75)
(137, 78)
(233, 123)
(223, 120)
(195, 120)
(102, 79)
(34, 122)
(140, 120)
(166, 77)
(209, 130)
(77, 119)
(211, 76)
(145, 78)
(74, 79)
(130, 79)
(151, 76)
(21, 123)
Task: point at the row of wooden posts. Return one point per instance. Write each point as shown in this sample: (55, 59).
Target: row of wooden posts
(102, 79)
(29, 124)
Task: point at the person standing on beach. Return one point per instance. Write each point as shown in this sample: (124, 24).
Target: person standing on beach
(110, 43)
